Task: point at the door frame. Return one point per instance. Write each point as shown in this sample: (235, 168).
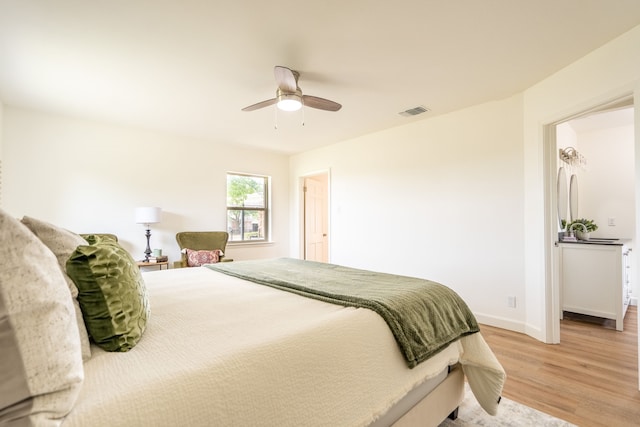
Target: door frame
(550, 166)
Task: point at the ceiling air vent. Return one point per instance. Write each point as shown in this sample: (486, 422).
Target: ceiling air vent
(414, 111)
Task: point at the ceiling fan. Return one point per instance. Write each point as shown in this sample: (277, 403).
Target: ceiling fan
(289, 96)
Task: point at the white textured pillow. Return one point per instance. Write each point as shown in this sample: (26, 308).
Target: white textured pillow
(41, 368)
(63, 243)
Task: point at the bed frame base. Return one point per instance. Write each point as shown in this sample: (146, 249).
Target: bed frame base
(441, 403)
(454, 414)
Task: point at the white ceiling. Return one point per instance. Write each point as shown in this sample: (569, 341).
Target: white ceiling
(189, 66)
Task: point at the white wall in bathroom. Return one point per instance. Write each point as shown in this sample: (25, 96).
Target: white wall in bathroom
(607, 186)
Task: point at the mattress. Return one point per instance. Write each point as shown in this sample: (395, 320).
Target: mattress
(222, 351)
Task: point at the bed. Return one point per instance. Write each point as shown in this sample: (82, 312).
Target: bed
(218, 349)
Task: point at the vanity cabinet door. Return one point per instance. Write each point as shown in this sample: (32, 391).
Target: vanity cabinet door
(592, 280)
(626, 280)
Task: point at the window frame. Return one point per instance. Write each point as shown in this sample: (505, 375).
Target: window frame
(266, 210)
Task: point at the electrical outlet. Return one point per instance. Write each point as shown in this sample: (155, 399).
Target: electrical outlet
(611, 222)
(511, 302)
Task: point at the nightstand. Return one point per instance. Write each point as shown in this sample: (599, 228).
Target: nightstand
(164, 264)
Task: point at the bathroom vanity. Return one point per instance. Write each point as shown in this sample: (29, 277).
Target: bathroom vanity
(595, 278)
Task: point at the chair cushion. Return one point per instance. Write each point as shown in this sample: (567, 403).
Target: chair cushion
(112, 294)
(199, 258)
(41, 369)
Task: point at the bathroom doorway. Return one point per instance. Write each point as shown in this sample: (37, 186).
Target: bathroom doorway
(602, 193)
(597, 130)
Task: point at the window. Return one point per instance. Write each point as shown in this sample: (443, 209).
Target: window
(247, 207)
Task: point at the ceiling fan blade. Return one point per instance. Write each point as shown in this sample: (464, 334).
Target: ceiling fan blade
(320, 103)
(285, 78)
(260, 105)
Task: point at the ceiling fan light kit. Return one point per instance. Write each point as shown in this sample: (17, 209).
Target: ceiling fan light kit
(289, 96)
(289, 101)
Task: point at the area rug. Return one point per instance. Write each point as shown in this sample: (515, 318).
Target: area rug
(510, 414)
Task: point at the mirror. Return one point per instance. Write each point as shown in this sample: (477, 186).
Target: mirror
(563, 197)
(573, 197)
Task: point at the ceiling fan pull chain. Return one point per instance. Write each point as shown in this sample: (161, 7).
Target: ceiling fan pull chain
(302, 109)
(275, 118)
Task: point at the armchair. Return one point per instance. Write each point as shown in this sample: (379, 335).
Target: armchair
(201, 241)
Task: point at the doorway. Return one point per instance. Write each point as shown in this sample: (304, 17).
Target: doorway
(605, 219)
(315, 190)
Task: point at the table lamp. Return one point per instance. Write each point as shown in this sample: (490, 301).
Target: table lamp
(148, 216)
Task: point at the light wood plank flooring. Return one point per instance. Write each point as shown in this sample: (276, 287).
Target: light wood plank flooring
(589, 379)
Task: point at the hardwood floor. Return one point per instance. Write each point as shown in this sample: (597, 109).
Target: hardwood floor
(589, 379)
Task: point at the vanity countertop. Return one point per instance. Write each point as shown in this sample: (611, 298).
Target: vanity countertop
(598, 241)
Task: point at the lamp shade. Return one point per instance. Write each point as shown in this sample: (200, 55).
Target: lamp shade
(148, 215)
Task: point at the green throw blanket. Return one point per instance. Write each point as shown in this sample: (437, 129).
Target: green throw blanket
(424, 316)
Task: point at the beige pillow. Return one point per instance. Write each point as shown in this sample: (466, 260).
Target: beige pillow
(62, 243)
(41, 369)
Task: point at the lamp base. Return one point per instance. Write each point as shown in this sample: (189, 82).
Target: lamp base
(147, 252)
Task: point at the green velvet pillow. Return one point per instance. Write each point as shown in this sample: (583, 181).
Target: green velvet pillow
(101, 237)
(111, 292)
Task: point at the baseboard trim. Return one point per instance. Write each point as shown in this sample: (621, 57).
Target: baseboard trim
(501, 322)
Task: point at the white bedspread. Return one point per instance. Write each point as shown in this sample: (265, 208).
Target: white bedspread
(226, 352)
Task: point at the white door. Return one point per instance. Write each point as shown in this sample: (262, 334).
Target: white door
(315, 219)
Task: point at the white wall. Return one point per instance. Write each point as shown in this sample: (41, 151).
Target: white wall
(1, 158)
(439, 199)
(566, 137)
(90, 177)
(607, 186)
(607, 73)
(483, 165)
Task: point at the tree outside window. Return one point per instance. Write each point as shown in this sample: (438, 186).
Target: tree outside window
(247, 203)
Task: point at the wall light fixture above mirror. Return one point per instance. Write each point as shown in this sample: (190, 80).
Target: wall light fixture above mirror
(572, 157)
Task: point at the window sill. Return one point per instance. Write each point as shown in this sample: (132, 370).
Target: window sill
(251, 243)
